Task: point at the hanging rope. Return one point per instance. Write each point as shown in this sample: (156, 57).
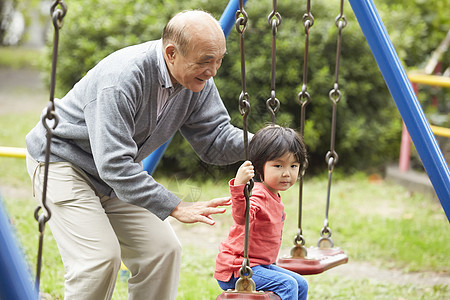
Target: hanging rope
(331, 158)
(244, 283)
(299, 250)
(50, 121)
(274, 20)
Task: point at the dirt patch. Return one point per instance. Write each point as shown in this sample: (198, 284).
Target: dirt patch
(21, 91)
(358, 270)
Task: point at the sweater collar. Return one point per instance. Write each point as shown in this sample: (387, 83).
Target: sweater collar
(163, 72)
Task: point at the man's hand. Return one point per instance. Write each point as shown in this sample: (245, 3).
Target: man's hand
(193, 212)
(244, 173)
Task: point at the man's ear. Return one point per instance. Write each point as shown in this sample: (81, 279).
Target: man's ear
(170, 51)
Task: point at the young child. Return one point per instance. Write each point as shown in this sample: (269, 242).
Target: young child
(277, 156)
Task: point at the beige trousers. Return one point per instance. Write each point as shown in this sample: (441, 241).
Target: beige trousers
(94, 233)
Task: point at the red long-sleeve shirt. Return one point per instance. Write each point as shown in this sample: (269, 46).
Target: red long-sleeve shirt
(266, 220)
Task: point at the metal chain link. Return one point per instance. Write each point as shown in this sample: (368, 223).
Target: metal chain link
(50, 121)
(331, 158)
(244, 283)
(244, 104)
(303, 98)
(274, 20)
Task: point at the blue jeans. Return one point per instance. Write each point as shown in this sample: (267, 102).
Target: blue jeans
(286, 284)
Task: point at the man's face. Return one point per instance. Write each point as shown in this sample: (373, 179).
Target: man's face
(198, 65)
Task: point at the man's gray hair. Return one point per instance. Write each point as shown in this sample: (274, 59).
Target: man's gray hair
(176, 30)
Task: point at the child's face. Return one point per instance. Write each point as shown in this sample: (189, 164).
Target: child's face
(281, 173)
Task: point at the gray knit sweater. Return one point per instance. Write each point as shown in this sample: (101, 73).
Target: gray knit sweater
(108, 124)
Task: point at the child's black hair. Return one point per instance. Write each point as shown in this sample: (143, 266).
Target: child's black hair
(272, 142)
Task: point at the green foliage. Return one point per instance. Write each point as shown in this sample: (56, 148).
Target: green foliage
(2, 30)
(416, 29)
(23, 6)
(368, 124)
(93, 29)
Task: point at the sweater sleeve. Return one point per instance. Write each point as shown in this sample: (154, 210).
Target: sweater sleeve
(238, 204)
(110, 122)
(209, 131)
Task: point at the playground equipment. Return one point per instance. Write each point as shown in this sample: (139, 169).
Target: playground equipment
(405, 147)
(302, 261)
(245, 287)
(17, 280)
(425, 77)
(403, 94)
(315, 260)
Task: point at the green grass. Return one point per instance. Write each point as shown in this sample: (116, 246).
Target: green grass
(13, 128)
(375, 222)
(408, 232)
(20, 57)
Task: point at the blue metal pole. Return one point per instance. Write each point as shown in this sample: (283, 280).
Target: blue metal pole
(150, 162)
(16, 281)
(401, 90)
(226, 22)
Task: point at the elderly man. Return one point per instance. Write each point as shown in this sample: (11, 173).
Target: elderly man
(105, 208)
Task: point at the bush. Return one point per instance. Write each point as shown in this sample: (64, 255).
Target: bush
(368, 125)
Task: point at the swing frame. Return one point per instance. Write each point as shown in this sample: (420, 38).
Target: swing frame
(401, 91)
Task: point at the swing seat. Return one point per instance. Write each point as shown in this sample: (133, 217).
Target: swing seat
(231, 294)
(317, 261)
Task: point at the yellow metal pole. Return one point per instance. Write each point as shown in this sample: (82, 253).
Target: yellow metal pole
(13, 152)
(433, 80)
(441, 131)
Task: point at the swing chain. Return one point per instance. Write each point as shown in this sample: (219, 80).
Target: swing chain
(331, 158)
(308, 19)
(341, 22)
(308, 22)
(50, 121)
(303, 98)
(340, 17)
(241, 18)
(272, 105)
(335, 94)
(244, 283)
(325, 241)
(244, 103)
(274, 20)
(57, 13)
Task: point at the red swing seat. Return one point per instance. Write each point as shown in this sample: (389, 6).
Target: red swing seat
(317, 261)
(248, 295)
